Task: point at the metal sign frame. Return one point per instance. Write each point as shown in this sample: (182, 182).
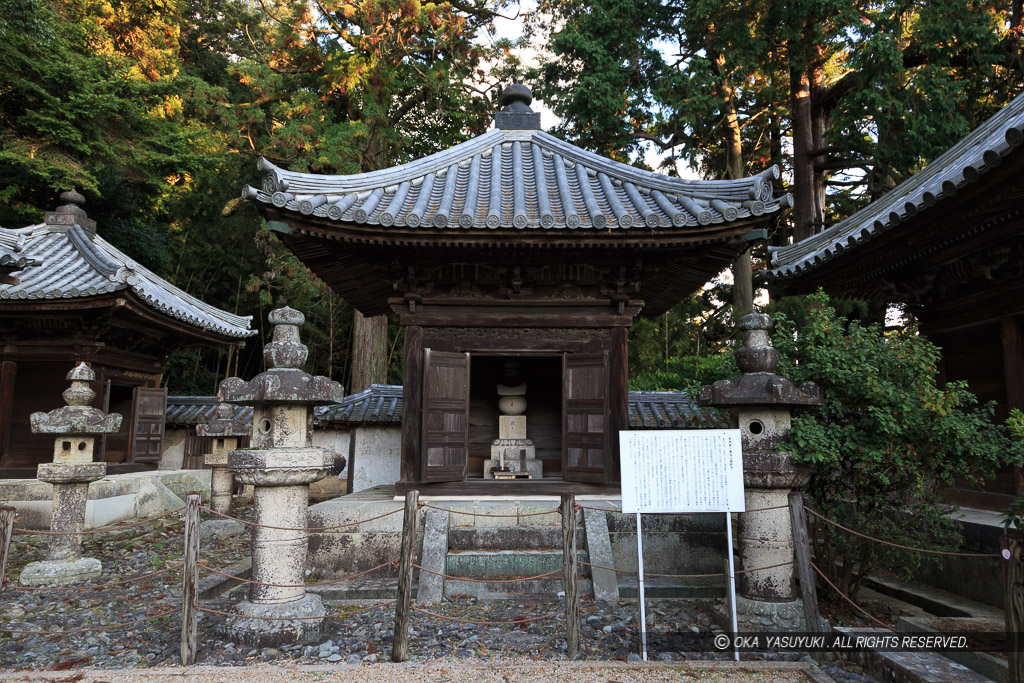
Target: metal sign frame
(667, 472)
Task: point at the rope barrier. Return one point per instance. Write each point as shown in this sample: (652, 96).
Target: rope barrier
(484, 514)
(467, 578)
(112, 584)
(120, 527)
(297, 585)
(773, 507)
(847, 598)
(336, 615)
(687, 576)
(89, 630)
(897, 545)
(299, 528)
(488, 623)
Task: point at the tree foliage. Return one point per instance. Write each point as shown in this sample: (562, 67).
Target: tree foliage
(850, 98)
(886, 442)
(158, 110)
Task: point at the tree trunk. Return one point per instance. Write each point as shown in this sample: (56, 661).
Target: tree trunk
(743, 284)
(369, 351)
(803, 163)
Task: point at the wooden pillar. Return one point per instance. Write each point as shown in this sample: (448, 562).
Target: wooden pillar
(1013, 374)
(412, 397)
(569, 569)
(802, 546)
(1013, 604)
(190, 581)
(618, 397)
(403, 604)
(8, 371)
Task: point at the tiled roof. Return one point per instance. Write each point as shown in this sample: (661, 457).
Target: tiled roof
(189, 411)
(525, 179)
(382, 404)
(13, 256)
(962, 165)
(666, 410)
(77, 263)
(378, 403)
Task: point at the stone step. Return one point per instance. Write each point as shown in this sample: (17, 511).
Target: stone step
(910, 667)
(502, 563)
(360, 590)
(709, 588)
(536, 589)
(983, 663)
(509, 538)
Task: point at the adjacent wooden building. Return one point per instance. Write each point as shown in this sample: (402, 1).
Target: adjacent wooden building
(72, 297)
(514, 244)
(948, 243)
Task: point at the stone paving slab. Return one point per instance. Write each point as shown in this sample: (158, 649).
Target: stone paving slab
(455, 671)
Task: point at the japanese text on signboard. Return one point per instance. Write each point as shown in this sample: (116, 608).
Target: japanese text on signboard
(697, 470)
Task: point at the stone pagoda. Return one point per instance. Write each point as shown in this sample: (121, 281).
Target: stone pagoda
(280, 465)
(759, 402)
(225, 431)
(75, 427)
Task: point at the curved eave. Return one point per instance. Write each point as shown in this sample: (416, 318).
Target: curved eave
(505, 238)
(518, 180)
(74, 265)
(928, 193)
(124, 299)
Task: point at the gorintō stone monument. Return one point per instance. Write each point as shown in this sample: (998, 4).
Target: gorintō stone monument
(75, 426)
(759, 403)
(280, 465)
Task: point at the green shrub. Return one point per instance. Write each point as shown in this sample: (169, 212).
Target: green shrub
(886, 442)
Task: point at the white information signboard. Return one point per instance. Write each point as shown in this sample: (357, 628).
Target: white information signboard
(694, 470)
(680, 471)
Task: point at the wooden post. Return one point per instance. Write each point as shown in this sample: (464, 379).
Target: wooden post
(7, 515)
(190, 581)
(1013, 607)
(572, 601)
(802, 544)
(403, 604)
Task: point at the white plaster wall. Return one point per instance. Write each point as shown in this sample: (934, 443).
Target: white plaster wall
(378, 457)
(336, 441)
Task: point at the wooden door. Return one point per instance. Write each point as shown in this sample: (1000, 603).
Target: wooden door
(445, 450)
(585, 437)
(147, 438)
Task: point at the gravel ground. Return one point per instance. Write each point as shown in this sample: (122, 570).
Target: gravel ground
(448, 672)
(679, 630)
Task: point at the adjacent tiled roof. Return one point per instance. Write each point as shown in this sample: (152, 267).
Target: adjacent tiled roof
(189, 411)
(77, 263)
(962, 165)
(379, 403)
(523, 179)
(382, 404)
(666, 410)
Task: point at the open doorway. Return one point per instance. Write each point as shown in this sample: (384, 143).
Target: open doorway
(543, 377)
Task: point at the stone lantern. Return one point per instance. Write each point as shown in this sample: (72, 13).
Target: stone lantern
(225, 431)
(75, 427)
(280, 465)
(759, 402)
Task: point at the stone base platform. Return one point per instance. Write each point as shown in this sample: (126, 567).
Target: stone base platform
(305, 622)
(673, 544)
(756, 616)
(61, 572)
(115, 498)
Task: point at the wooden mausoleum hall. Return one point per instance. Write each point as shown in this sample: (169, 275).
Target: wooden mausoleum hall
(516, 263)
